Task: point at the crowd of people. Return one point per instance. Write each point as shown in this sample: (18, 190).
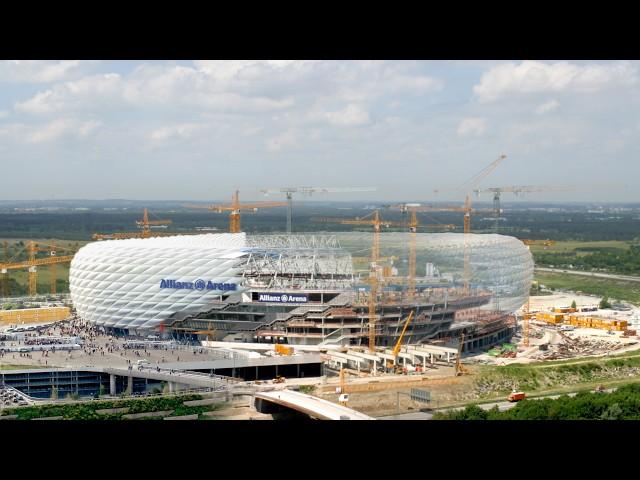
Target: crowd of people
(95, 341)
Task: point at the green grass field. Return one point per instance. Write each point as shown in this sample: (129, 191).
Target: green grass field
(44, 273)
(570, 246)
(614, 289)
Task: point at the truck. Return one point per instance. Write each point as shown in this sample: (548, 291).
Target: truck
(516, 396)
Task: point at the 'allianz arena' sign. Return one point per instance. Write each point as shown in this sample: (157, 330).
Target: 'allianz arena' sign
(282, 298)
(197, 285)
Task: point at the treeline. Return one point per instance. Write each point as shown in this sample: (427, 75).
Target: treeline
(623, 404)
(611, 260)
(578, 226)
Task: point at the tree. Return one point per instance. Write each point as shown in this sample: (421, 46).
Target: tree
(604, 303)
(573, 304)
(614, 412)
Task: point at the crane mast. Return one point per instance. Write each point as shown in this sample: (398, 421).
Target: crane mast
(32, 263)
(235, 207)
(289, 191)
(145, 224)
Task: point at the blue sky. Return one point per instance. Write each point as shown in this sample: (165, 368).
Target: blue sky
(199, 130)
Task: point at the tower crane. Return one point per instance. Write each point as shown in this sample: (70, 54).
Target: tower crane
(308, 191)
(517, 190)
(412, 225)
(469, 186)
(145, 224)
(416, 207)
(526, 315)
(235, 207)
(32, 263)
(375, 274)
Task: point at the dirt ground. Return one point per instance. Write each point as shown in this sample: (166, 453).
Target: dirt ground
(383, 397)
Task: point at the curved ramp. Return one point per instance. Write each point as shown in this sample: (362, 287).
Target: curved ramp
(312, 406)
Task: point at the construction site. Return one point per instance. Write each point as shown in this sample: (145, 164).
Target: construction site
(375, 326)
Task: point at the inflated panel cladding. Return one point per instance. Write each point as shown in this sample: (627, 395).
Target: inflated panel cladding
(117, 283)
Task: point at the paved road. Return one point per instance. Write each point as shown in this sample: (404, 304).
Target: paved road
(627, 278)
(502, 406)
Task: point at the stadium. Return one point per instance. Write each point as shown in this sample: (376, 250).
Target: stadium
(302, 289)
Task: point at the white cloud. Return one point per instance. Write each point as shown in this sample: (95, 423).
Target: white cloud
(185, 130)
(540, 77)
(229, 69)
(4, 113)
(92, 91)
(472, 126)
(36, 71)
(60, 128)
(148, 86)
(287, 140)
(547, 107)
(351, 116)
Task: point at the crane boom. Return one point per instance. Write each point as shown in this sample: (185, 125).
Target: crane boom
(398, 345)
(145, 223)
(517, 190)
(289, 191)
(477, 178)
(235, 207)
(32, 263)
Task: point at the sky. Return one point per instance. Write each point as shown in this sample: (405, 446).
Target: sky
(198, 130)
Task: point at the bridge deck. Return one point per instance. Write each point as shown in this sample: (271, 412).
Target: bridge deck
(312, 406)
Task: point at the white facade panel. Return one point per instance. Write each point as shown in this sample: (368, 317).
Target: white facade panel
(119, 283)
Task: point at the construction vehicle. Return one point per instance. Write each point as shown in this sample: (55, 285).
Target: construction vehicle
(516, 396)
(279, 379)
(398, 345)
(460, 368)
(283, 349)
(289, 191)
(235, 207)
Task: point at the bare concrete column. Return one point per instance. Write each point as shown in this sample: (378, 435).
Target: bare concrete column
(172, 387)
(112, 385)
(130, 385)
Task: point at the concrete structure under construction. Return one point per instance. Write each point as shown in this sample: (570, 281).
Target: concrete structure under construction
(301, 289)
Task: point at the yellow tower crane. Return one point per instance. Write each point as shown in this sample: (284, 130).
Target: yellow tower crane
(466, 208)
(146, 232)
(32, 263)
(235, 207)
(375, 272)
(413, 224)
(526, 315)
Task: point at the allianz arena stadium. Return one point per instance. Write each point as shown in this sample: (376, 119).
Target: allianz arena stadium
(287, 287)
